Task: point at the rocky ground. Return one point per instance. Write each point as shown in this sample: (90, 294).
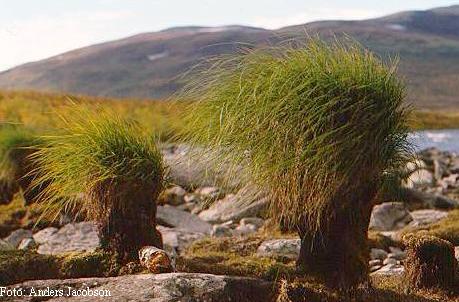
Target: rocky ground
(208, 230)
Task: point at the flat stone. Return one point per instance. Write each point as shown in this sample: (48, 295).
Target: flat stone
(44, 235)
(176, 239)
(173, 217)
(390, 270)
(73, 237)
(389, 216)
(17, 236)
(426, 217)
(287, 248)
(172, 287)
(248, 202)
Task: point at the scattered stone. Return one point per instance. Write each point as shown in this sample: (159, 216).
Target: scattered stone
(378, 254)
(375, 268)
(73, 237)
(27, 244)
(210, 193)
(389, 216)
(426, 217)
(192, 197)
(173, 217)
(390, 270)
(156, 260)
(248, 202)
(375, 262)
(256, 221)
(177, 240)
(44, 235)
(390, 261)
(221, 231)
(17, 236)
(157, 288)
(430, 200)
(420, 178)
(173, 196)
(246, 229)
(286, 248)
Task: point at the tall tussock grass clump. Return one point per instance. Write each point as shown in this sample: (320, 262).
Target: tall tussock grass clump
(16, 167)
(108, 169)
(320, 127)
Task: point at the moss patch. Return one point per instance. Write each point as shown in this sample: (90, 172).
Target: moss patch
(447, 229)
(18, 266)
(233, 256)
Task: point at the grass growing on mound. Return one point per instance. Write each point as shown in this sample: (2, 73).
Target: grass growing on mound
(305, 122)
(110, 170)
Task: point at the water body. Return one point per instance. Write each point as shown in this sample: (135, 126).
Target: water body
(445, 140)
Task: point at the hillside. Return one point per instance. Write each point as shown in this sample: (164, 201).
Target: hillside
(150, 65)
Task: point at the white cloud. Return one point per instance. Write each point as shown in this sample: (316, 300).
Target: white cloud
(314, 15)
(45, 36)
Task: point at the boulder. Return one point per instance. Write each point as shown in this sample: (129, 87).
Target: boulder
(284, 248)
(73, 237)
(390, 270)
(171, 287)
(175, 218)
(389, 216)
(247, 202)
(428, 199)
(17, 236)
(44, 235)
(420, 178)
(177, 240)
(426, 217)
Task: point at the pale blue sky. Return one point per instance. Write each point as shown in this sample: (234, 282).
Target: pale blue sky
(32, 30)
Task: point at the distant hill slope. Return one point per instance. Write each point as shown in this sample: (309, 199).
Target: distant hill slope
(149, 65)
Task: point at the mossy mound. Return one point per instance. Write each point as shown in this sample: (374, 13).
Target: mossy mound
(231, 256)
(383, 289)
(430, 262)
(18, 266)
(446, 229)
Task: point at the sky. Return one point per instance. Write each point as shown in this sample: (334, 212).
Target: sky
(33, 30)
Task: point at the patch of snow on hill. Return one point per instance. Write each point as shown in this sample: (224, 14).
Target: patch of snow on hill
(157, 56)
(398, 27)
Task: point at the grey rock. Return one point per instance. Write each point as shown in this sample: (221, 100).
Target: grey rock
(390, 270)
(286, 248)
(456, 252)
(221, 231)
(248, 202)
(27, 244)
(44, 235)
(390, 261)
(375, 268)
(426, 217)
(175, 218)
(420, 178)
(397, 255)
(172, 287)
(73, 237)
(389, 216)
(177, 240)
(256, 221)
(17, 236)
(209, 193)
(378, 254)
(246, 229)
(173, 196)
(375, 262)
(187, 206)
